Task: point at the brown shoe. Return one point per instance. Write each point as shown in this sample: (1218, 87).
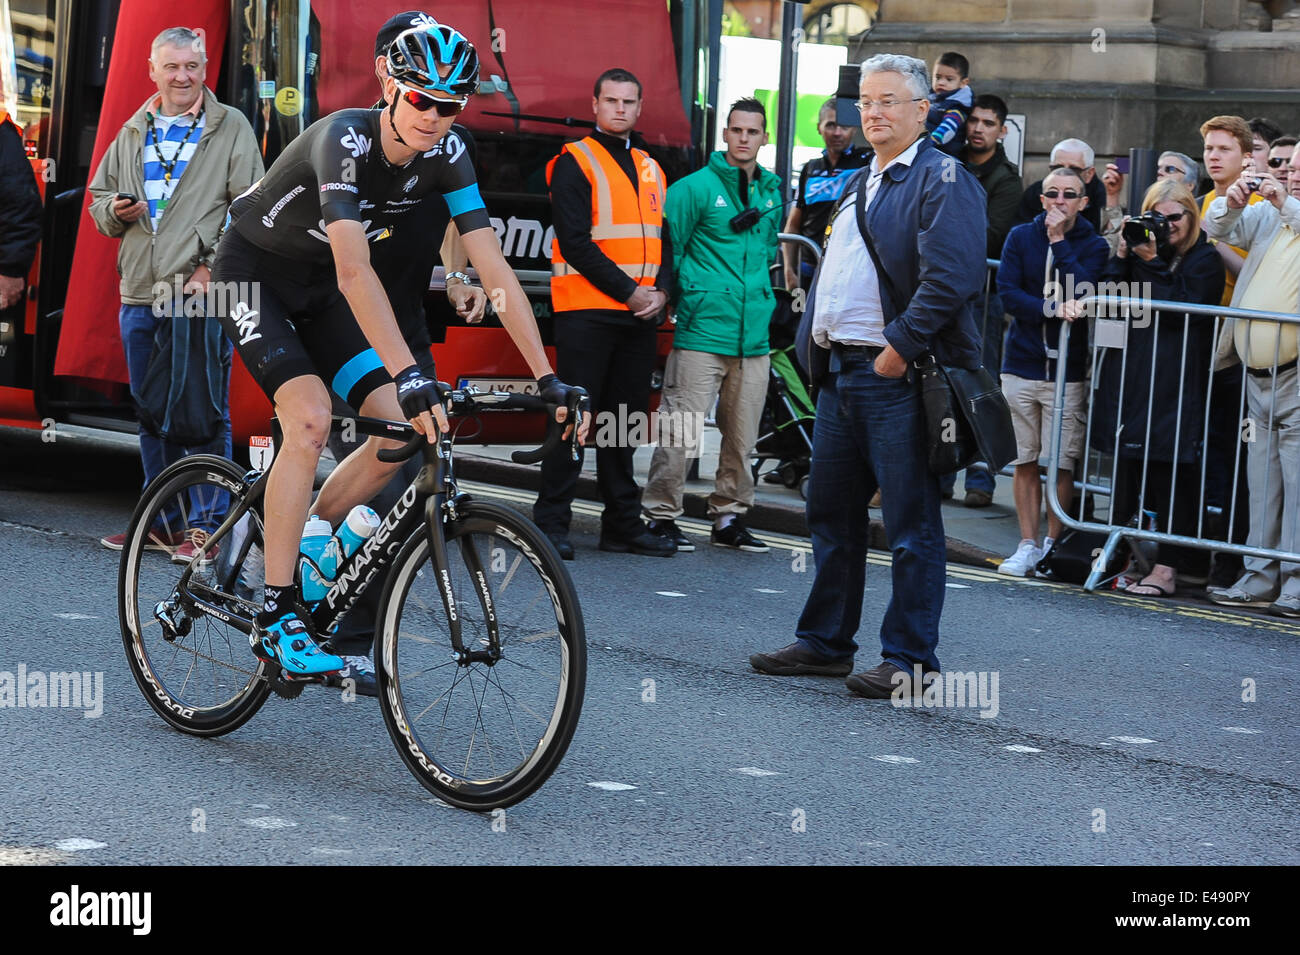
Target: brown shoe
(796, 660)
(883, 683)
(978, 499)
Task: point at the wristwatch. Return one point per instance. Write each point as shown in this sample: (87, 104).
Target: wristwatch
(457, 275)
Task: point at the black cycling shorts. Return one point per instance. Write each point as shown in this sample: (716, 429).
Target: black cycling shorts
(288, 319)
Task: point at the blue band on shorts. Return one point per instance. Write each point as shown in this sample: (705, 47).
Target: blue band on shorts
(464, 200)
(357, 367)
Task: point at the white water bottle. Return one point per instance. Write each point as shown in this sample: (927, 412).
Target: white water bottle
(318, 543)
(361, 523)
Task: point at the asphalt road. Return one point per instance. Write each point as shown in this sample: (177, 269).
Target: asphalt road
(1122, 730)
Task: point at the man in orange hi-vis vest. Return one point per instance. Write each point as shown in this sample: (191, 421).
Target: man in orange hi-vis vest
(610, 268)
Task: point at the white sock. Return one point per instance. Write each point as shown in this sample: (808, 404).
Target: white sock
(1048, 542)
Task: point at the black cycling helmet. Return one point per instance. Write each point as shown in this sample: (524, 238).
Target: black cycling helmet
(414, 59)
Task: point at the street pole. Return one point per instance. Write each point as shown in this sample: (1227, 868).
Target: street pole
(787, 91)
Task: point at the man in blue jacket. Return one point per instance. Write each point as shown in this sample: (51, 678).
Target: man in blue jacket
(1045, 265)
(925, 215)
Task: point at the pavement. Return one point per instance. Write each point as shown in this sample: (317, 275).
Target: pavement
(981, 537)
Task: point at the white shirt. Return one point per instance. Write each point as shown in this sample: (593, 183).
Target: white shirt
(848, 308)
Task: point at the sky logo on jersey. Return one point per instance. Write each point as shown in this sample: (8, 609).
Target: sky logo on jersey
(451, 146)
(357, 143)
(246, 321)
(268, 220)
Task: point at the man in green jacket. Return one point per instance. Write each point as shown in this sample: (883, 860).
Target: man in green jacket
(723, 220)
(163, 188)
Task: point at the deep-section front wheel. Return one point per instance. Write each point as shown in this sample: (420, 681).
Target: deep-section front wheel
(485, 728)
(190, 659)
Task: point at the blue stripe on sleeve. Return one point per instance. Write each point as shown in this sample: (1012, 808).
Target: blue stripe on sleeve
(464, 200)
(356, 368)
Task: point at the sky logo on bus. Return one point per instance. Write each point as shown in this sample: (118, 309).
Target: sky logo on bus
(246, 320)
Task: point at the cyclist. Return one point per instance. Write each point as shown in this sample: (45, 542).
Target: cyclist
(308, 309)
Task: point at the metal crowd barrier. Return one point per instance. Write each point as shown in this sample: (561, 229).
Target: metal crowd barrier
(1117, 319)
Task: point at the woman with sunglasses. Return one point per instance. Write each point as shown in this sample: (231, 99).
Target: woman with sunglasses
(1166, 369)
(308, 313)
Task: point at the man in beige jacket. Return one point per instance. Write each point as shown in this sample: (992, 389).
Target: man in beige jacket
(163, 188)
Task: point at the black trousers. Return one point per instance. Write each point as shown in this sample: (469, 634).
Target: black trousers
(613, 360)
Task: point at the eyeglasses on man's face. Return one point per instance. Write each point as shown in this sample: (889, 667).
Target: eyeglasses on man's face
(1173, 170)
(1058, 193)
(886, 104)
(423, 102)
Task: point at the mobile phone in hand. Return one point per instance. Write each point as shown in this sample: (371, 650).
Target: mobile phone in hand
(128, 197)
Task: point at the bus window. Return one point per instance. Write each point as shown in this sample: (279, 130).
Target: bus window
(27, 68)
(275, 59)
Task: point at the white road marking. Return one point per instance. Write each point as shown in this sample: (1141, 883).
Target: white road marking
(895, 759)
(1240, 729)
(765, 590)
(1018, 748)
(79, 845)
(755, 771)
(958, 586)
(76, 616)
(612, 787)
(669, 593)
(271, 822)
(1136, 740)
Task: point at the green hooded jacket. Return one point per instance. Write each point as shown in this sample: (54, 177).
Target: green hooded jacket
(723, 297)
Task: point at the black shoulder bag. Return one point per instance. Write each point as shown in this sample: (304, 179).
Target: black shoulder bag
(966, 414)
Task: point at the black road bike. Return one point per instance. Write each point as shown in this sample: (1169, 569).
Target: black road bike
(480, 652)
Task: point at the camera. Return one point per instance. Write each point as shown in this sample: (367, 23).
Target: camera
(745, 220)
(1144, 228)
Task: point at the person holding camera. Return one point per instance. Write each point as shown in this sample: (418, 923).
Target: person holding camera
(723, 220)
(1269, 280)
(1165, 368)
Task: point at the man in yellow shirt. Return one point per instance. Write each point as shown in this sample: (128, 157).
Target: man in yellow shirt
(1269, 281)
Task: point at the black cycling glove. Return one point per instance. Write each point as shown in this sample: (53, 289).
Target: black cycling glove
(416, 393)
(555, 392)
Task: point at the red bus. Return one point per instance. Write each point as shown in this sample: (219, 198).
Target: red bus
(77, 71)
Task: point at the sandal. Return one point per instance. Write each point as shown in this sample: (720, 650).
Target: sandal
(1145, 583)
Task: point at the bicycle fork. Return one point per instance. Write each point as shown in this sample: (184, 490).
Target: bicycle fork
(440, 509)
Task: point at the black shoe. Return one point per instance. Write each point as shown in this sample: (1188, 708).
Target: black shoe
(670, 531)
(362, 674)
(797, 660)
(645, 543)
(737, 537)
(563, 546)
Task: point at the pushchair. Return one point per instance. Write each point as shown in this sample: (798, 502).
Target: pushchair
(785, 428)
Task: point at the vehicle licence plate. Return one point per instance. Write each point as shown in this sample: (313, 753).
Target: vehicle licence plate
(516, 386)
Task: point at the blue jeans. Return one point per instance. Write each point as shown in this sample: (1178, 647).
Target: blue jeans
(870, 432)
(138, 325)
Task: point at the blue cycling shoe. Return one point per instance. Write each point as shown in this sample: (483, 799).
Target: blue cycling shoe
(288, 642)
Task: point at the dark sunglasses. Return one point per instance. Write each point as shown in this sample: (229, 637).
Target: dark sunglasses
(1276, 162)
(1174, 170)
(445, 107)
(1057, 193)
(1175, 217)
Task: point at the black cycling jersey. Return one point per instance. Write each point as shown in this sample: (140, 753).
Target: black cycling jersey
(337, 170)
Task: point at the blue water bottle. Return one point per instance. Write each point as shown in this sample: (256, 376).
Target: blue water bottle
(319, 544)
(360, 524)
